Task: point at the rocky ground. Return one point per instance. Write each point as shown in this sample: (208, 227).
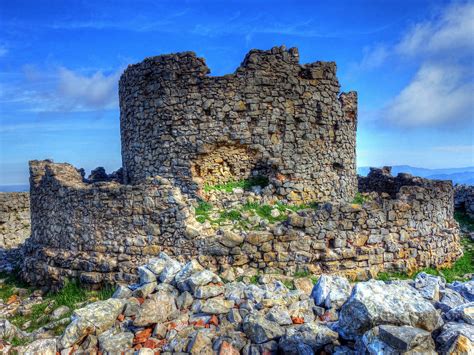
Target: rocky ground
(180, 308)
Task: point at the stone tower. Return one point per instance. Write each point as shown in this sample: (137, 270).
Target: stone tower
(272, 117)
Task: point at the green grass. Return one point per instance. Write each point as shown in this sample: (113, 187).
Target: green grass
(463, 266)
(301, 273)
(12, 282)
(254, 279)
(240, 215)
(15, 341)
(289, 284)
(246, 184)
(360, 199)
(70, 295)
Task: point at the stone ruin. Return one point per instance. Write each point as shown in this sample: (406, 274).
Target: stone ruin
(272, 117)
(183, 130)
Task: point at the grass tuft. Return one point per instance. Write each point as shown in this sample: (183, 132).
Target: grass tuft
(71, 295)
(246, 184)
(360, 199)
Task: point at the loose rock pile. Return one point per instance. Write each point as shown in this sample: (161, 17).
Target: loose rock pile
(178, 308)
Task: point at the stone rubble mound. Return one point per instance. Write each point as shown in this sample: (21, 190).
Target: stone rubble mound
(178, 308)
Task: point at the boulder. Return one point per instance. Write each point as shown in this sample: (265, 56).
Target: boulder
(94, 318)
(200, 344)
(450, 334)
(389, 339)
(114, 342)
(449, 299)
(311, 336)
(465, 289)
(146, 275)
(280, 315)
(157, 265)
(208, 291)
(8, 330)
(202, 278)
(304, 284)
(158, 308)
(260, 330)
(60, 312)
(181, 278)
(122, 292)
(463, 313)
(172, 267)
(231, 239)
(39, 347)
(217, 305)
(374, 303)
(461, 345)
(144, 289)
(331, 291)
(429, 286)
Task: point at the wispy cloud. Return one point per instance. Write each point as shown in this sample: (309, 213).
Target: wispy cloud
(97, 91)
(453, 30)
(62, 90)
(440, 92)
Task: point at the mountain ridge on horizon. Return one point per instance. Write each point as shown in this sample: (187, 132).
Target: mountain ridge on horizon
(464, 175)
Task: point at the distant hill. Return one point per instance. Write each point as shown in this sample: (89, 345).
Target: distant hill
(457, 175)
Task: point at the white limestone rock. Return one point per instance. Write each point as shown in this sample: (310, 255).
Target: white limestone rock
(331, 291)
(374, 303)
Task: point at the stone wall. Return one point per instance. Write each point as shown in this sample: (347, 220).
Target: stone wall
(412, 229)
(14, 219)
(272, 117)
(100, 232)
(464, 198)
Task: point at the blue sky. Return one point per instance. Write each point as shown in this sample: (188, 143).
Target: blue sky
(411, 62)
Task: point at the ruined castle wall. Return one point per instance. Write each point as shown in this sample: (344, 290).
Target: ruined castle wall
(97, 232)
(415, 229)
(464, 198)
(14, 219)
(101, 232)
(272, 117)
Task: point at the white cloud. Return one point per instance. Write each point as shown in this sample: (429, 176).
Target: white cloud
(62, 90)
(437, 94)
(453, 30)
(374, 57)
(441, 91)
(97, 91)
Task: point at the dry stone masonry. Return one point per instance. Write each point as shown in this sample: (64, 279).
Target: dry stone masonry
(183, 130)
(14, 219)
(464, 198)
(272, 117)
